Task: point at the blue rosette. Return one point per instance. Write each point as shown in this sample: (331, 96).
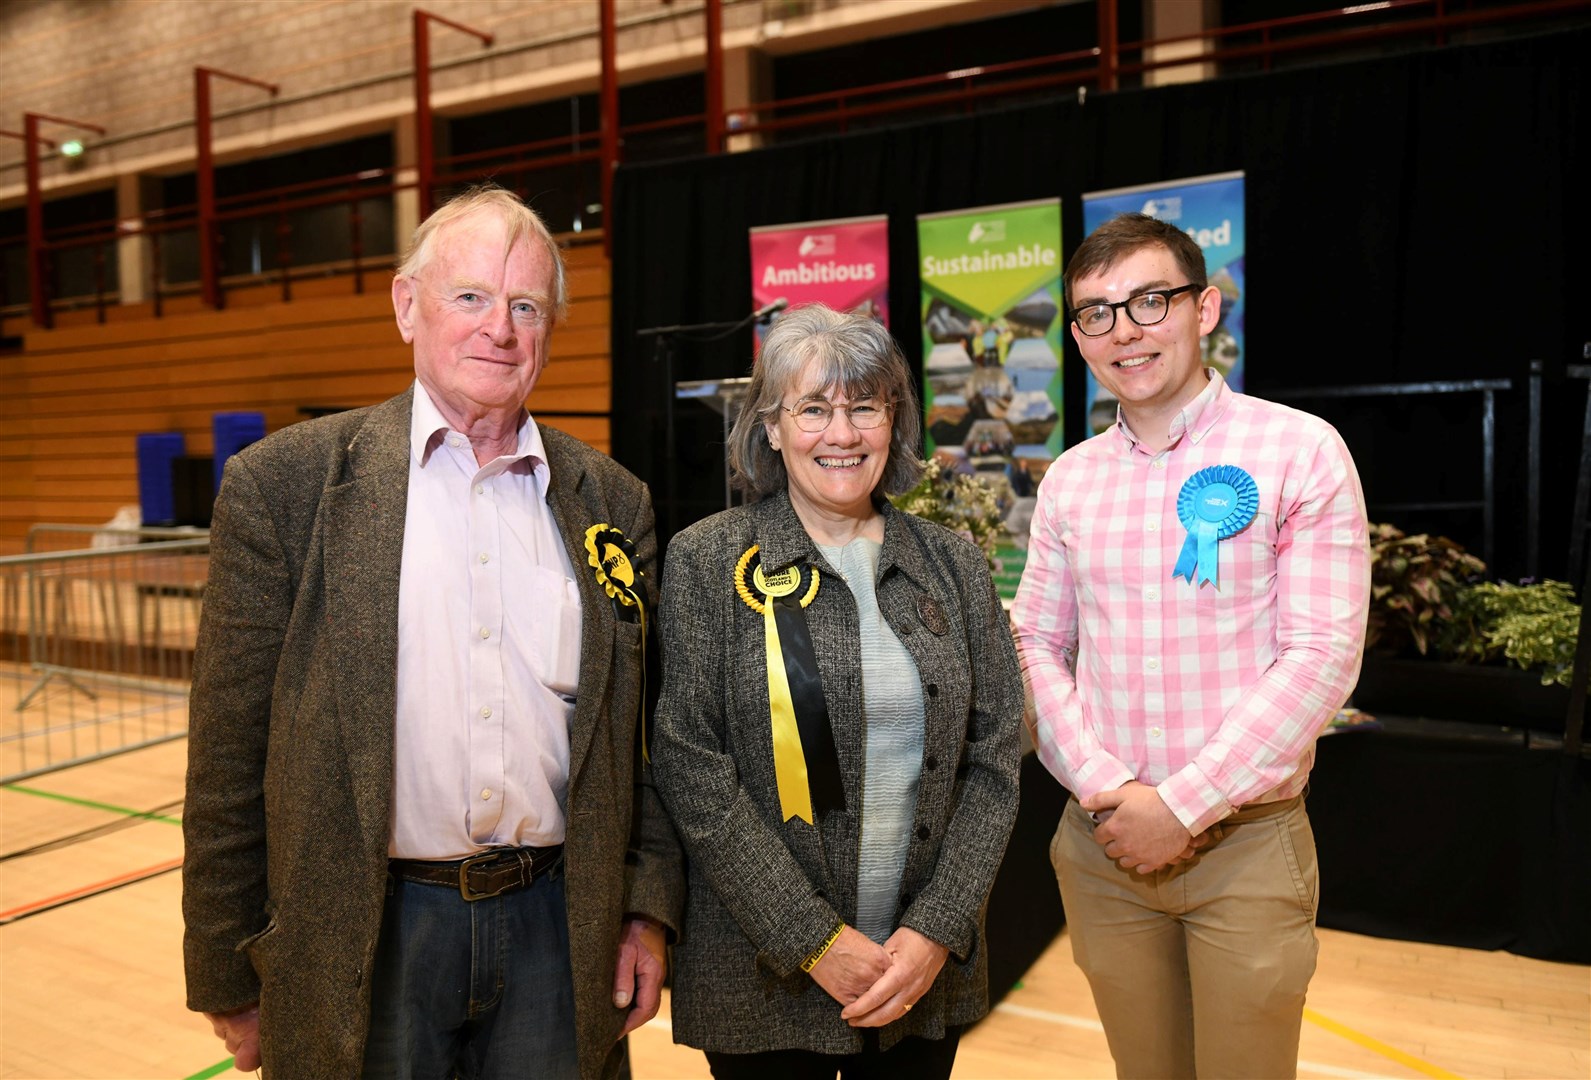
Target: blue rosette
(1214, 504)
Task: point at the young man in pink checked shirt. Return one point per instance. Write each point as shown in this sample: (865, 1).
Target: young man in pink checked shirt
(1191, 616)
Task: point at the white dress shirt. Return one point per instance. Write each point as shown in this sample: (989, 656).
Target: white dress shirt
(488, 649)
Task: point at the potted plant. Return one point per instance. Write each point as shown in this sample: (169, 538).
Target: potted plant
(1440, 641)
(1533, 625)
(1414, 582)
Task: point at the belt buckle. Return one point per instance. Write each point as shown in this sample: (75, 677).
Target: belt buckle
(464, 877)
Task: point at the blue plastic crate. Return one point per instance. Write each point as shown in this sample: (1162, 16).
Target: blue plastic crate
(233, 431)
(156, 451)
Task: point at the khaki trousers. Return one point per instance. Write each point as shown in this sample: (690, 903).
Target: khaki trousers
(1198, 970)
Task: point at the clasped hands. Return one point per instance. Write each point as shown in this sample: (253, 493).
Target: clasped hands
(1138, 829)
(878, 984)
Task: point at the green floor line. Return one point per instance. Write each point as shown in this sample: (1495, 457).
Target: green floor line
(214, 1070)
(92, 804)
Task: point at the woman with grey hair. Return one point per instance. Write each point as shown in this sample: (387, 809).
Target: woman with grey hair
(837, 738)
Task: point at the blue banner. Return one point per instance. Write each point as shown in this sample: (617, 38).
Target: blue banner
(1209, 209)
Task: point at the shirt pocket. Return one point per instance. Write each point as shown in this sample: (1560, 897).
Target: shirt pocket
(1252, 558)
(554, 626)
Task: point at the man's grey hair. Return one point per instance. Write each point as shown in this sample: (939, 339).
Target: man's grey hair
(519, 222)
(852, 353)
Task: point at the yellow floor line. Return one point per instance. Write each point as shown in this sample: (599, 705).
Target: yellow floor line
(1378, 1046)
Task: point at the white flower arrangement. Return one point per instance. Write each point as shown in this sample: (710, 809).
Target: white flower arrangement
(963, 503)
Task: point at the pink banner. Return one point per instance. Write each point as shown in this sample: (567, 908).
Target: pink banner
(844, 264)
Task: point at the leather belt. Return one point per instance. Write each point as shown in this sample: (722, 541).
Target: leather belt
(491, 873)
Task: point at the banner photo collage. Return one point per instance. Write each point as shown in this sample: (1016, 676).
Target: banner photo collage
(1209, 209)
(991, 323)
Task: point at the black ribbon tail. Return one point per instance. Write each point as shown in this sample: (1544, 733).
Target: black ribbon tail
(811, 711)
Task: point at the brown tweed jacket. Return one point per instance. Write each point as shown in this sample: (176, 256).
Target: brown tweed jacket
(291, 741)
(763, 893)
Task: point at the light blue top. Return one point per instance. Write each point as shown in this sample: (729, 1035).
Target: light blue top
(892, 710)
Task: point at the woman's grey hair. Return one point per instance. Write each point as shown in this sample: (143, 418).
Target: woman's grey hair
(519, 221)
(854, 354)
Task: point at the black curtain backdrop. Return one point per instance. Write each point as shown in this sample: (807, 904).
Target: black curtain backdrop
(1418, 217)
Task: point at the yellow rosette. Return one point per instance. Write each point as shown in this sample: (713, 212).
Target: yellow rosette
(611, 555)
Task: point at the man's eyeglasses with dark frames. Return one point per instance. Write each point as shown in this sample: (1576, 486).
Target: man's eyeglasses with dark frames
(1145, 309)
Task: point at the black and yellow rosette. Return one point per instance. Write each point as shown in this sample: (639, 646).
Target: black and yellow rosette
(611, 554)
(805, 764)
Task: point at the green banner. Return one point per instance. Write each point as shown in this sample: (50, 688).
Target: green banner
(992, 318)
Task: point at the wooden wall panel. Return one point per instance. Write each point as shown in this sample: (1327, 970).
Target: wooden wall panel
(73, 401)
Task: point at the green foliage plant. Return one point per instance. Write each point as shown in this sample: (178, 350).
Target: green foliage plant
(1534, 625)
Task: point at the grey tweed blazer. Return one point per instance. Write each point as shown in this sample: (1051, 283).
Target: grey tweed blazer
(763, 893)
(291, 741)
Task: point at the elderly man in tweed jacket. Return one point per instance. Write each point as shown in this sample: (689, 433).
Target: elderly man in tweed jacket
(344, 853)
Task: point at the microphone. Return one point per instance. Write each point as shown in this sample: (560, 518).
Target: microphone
(769, 309)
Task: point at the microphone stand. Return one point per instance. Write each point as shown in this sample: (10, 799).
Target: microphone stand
(664, 341)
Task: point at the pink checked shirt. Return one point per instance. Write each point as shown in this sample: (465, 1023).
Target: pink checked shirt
(1214, 694)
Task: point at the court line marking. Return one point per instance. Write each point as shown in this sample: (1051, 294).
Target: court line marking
(93, 832)
(215, 1070)
(1094, 1025)
(1379, 1047)
(1049, 1017)
(132, 877)
(91, 804)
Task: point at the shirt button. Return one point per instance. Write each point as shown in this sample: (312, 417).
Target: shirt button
(1153, 664)
(1160, 463)
(1154, 732)
(485, 557)
(455, 443)
(485, 633)
(1194, 436)
(486, 711)
(1154, 526)
(1153, 594)
(486, 793)
(480, 489)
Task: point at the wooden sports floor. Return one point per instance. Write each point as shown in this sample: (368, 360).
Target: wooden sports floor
(91, 970)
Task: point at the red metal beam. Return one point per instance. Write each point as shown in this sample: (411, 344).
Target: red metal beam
(1108, 44)
(424, 138)
(38, 270)
(23, 135)
(715, 76)
(610, 118)
(209, 271)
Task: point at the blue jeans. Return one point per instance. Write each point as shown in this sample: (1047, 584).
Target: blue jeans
(474, 989)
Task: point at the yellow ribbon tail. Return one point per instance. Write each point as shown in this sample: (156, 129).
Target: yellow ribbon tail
(646, 753)
(789, 763)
